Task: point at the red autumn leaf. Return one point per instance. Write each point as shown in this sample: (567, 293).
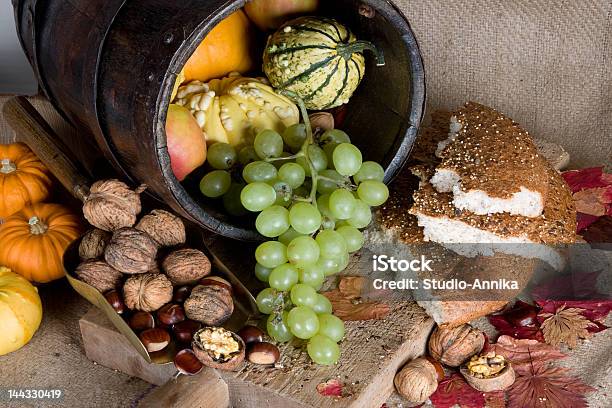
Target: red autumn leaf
(584, 221)
(520, 322)
(595, 311)
(331, 388)
(593, 201)
(454, 390)
(495, 399)
(524, 354)
(572, 286)
(582, 179)
(599, 231)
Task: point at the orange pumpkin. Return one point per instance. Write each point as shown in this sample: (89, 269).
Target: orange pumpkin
(228, 47)
(24, 179)
(33, 241)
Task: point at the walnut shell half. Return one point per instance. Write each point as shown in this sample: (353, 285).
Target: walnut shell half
(93, 243)
(211, 305)
(111, 205)
(147, 292)
(99, 274)
(186, 266)
(165, 228)
(454, 346)
(498, 382)
(418, 380)
(131, 251)
(218, 348)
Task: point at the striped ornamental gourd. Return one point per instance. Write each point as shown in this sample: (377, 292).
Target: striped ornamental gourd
(317, 58)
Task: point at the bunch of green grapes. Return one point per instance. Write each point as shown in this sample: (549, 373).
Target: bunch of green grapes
(313, 196)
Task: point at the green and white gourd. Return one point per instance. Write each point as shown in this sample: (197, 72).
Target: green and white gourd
(317, 58)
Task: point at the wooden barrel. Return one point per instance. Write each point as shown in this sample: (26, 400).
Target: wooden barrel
(109, 67)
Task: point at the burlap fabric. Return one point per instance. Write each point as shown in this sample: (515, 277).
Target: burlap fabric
(547, 64)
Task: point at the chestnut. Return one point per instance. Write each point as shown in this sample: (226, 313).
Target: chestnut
(141, 321)
(251, 334)
(216, 281)
(218, 348)
(187, 363)
(155, 339)
(170, 314)
(183, 331)
(115, 300)
(181, 294)
(262, 353)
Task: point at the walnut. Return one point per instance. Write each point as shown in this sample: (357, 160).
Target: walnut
(93, 244)
(99, 274)
(111, 205)
(165, 228)
(209, 304)
(147, 292)
(418, 380)
(453, 346)
(186, 266)
(131, 251)
(218, 348)
(488, 372)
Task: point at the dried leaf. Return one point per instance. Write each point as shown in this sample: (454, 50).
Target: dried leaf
(572, 286)
(350, 309)
(520, 321)
(453, 391)
(595, 311)
(583, 221)
(600, 230)
(331, 388)
(593, 201)
(582, 179)
(524, 354)
(352, 286)
(566, 325)
(495, 399)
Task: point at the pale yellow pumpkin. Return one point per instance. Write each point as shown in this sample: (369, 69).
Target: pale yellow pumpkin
(20, 311)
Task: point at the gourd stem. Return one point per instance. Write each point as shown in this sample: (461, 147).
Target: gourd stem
(7, 166)
(347, 50)
(37, 227)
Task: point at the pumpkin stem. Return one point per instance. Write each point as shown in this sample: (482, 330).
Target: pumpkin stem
(37, 227)
(347, 50)
(7, 166)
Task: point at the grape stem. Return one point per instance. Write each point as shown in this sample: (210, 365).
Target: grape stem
(340, 183)
(293, 156)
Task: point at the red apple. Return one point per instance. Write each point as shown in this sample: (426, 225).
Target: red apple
(271, 14)
(185, 140)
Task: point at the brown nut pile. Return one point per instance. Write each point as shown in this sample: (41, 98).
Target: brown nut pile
(111, 205)
(453, 346)
(219, 348)
(93, 243)
(99, 274)
(147, 292)
(131, 251)
(186, 266)
(165, 228)
(211, 305)
(418, 379)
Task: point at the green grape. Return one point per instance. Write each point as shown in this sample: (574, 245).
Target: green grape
(268, 144)
(322, 305)
(216, 183)
(292, 174)
(259, 171)
(284, 192)
(311, 275)
(268, 300)
(221, 156)
(331, 326)
(373, 193)
(342, 204)
(288, 236)
(369, 170)
(323, 350)
(317, 157)
(343, 262)
(283, 277)
(257, 196)
(323, 206)
(273, 221)
(262, 273)
(328, 223)
(332, 244)
(284, 158)
(295, 136)
(303, 251)
(247, 155)
(353, 237)
(231, 200)
(303, 295)
(328, 149)
(303, 322)
(304, 218)
(277, 327)
(271, 254)
(362, 215)
(334, 136)
(328, 187)
(347, 159)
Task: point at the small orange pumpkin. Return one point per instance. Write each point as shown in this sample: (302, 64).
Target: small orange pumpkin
(24, 179)
(33, 241)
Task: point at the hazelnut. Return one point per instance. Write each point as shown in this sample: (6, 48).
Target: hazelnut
(211, 305)
(417, 380)
(140, 321)
(165, 228)
(183, 331)
(170, 314)
(453, 346)
(186, 266)
(216, 281)
(181, 294)
(131, 251)
(147, 291)
(93, 243)
(154, 339)
(114, 299)
(251, 334)
(111, 205)
(99, 274)
(219, 348)
(263, 353)
(187, 363)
